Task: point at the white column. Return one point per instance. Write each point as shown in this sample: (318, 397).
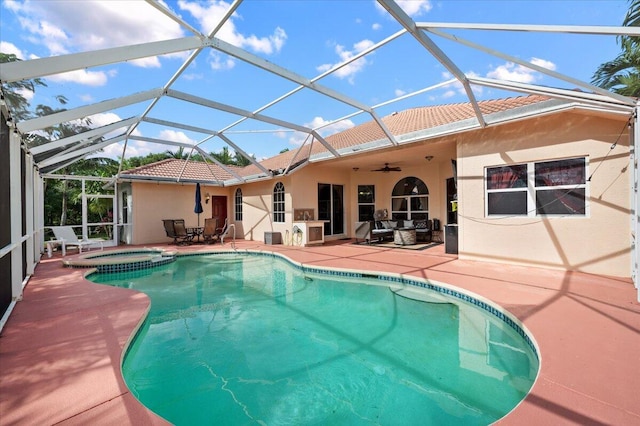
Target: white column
(116, 214)
(39, 208)
(29, 207)
(85, 228)
(16, 215)
(635, 222)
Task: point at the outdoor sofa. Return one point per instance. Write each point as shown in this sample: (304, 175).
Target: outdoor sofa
(379, 230)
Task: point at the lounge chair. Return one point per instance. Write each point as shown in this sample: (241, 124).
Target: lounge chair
(211, 232)
(68, 238)
(176, 229)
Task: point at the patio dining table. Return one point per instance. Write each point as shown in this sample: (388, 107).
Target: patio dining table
(195, 231)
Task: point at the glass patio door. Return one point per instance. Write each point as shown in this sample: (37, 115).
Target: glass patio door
(331, 208)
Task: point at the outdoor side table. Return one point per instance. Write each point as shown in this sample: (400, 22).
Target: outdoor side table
(404, 236)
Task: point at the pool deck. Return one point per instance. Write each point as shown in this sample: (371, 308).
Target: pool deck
(61, 349)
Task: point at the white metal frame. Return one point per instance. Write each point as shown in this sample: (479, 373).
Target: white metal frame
(81, 145)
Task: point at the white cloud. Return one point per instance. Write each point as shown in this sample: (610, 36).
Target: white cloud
(518, 73)
(192, 76)
(27, 94)
(175, 136)
(12, 5)
(84, 77)
(449, 94)
(349, 71)
(103, 119)
(543, 63)
(456, 87)
(11, 49)
(115, 150)
(399, 92)
(134, 149)
(323, 129)
(410, 7)
(415, 7)
(218, 61)
(376, 27)
(86, 98)
(209, 16)
(63, 27)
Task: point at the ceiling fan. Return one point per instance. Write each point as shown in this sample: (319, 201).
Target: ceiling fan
(387, 169)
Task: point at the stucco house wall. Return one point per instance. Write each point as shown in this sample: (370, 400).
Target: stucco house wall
(598, 243)
(257, 209)
(152, 202)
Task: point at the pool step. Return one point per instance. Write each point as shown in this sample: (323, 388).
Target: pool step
(161, 258)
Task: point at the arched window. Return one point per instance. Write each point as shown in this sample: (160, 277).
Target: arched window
(238, 204)
(278, 202)
(410, 199)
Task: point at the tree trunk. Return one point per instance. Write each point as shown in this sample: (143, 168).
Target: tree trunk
(63, 215)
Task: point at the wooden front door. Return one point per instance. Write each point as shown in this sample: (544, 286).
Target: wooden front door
(219, 208)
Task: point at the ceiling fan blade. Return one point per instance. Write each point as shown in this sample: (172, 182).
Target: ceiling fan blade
(387, 169)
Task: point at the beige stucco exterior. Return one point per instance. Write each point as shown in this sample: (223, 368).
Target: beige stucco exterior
(152, 202)
(599, 242)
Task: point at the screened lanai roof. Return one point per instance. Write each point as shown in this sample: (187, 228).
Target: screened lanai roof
(313, 77)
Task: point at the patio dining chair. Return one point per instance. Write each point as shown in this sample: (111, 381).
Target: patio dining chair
(176, 229)
(68, 238)
(211, 231)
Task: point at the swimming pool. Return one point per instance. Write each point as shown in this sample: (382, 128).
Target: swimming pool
(244, 339)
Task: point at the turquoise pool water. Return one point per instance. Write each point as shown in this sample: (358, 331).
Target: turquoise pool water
(247, 339)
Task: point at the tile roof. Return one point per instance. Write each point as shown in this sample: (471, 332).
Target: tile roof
(398, 123)
(172, 168)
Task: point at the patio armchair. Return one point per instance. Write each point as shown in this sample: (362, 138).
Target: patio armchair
(176, 229)
(382, 229)
(424, 230)
(68, 238)
(211, 232)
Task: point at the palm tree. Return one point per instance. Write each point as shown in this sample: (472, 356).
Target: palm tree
(179, 154)
(223, 156)
(622, 75)
(13, 91)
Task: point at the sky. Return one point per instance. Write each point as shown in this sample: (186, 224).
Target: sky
(305, 37)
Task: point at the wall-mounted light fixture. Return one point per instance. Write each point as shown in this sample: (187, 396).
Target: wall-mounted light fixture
(207, 197)
(429, 157)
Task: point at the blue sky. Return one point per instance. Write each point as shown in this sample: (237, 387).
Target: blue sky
(306, 37)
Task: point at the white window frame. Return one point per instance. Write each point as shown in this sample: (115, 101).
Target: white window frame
(238, 204)
(532, 190)
(278, 203)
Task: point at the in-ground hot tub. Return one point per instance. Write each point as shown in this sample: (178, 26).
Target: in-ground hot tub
(122, 260)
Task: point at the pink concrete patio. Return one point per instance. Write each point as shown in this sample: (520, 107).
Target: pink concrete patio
(60, 351)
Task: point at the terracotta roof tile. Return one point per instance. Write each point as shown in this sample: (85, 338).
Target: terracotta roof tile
(398, 123)
(188, 170)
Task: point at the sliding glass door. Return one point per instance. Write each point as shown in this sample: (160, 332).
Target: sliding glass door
(331, 208)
